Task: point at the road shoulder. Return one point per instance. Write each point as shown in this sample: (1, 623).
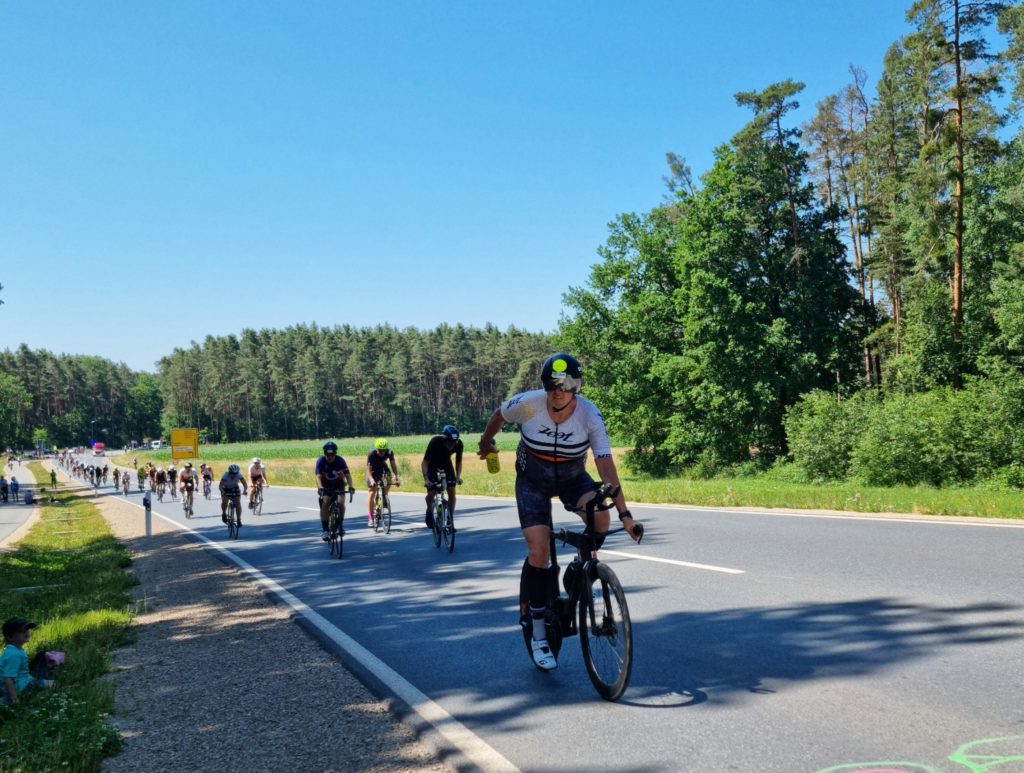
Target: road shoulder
(220, 677)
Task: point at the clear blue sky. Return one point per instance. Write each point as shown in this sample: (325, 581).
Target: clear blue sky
(191, 168)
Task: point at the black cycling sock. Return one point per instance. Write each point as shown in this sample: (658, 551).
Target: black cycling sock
(536, 586)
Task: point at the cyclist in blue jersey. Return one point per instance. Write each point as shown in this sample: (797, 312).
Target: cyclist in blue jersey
(557, 427)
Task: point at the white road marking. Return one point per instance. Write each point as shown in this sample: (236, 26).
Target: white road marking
(688, 564)
(940, 520)
(461, 737)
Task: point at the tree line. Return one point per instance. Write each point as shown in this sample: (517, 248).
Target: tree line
(67, 400)
(308, 381)
(300, 382)
(879, 247)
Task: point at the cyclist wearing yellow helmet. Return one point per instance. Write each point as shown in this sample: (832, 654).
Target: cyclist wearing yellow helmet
(377, 471)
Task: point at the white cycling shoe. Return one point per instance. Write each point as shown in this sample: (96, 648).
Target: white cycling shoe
(543, 657)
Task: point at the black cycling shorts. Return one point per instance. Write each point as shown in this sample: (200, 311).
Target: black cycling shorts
(449, 472)
(538, 482)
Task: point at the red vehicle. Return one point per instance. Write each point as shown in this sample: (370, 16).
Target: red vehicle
(99, 449)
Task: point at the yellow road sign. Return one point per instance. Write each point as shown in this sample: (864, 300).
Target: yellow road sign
(184, 443)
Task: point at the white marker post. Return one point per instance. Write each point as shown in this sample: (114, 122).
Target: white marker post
(148, 504)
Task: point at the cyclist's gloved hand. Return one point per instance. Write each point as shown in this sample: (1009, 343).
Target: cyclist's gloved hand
(458, 481)
(633, 529)
(319, 492)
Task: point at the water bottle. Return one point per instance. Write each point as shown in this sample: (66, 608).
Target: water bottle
(493, 464)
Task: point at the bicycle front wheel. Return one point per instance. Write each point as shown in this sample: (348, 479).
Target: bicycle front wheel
(386, 515)
(448, 532)
(257, 505)
(439, 513)
(606, 634)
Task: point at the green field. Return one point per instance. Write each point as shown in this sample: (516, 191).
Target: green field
(291, 463)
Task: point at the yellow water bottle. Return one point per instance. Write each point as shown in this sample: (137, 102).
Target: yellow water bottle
(493, 464)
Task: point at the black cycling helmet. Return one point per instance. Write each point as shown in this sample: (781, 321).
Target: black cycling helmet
(330, 447)
(561, 370)
(450, 431)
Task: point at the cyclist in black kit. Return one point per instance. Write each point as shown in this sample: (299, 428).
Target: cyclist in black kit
(557, 426)
(438, 456)
(376, 469)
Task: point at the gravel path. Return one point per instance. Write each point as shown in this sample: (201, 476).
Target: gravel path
(220, 677)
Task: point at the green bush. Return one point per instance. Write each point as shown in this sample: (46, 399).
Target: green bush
(942, 437)
(822, 431)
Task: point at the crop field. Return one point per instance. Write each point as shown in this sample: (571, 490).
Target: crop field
(290, 463)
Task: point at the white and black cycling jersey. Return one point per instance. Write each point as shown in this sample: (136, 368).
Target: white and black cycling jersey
(557, 442)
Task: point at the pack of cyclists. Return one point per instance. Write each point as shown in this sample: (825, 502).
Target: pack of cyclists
(558, 427)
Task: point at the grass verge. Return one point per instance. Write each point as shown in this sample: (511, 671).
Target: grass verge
(68, 575)
(291, 463)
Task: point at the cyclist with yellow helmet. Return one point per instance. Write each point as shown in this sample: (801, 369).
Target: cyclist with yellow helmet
(376, 471)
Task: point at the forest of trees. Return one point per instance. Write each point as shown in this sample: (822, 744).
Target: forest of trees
(62, 400)
(847, 294)
(301, 382)
(878, 249)
(309, 381)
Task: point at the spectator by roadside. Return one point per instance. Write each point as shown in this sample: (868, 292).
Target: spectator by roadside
(3, 489)
(14, 661)
(14, 489)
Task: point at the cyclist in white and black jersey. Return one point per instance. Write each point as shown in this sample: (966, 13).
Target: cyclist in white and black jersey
(557, 427)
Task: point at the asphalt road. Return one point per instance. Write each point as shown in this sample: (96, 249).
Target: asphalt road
(764, 641)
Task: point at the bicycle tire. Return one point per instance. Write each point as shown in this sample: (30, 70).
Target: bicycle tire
(232, 520)
(258, 504)
(378, 513)
(337, 532)
(606, 634)
(448, 530)
(439, 510)
(386, 515)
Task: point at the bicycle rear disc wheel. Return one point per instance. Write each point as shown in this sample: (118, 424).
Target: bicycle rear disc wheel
(439, 511)
(448, 531)
(606, 634)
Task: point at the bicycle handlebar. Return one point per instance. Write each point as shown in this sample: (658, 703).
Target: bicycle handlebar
(586, 540)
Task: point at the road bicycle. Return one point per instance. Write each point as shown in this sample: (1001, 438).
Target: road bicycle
(444, 520)
(256, 502)
(207, 487)
(335, 523)
(186, 504)
(125, 484)
(234, 514)
(593, 605)
(160, 487)
(382, 506)
(172, 487)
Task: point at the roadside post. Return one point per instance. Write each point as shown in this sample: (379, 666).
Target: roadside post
(148, 504)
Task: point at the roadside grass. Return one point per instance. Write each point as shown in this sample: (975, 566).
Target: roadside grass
(290, 463)
(68, 575)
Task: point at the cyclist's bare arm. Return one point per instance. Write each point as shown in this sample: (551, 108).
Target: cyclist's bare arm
(493, 428)
(609, 474)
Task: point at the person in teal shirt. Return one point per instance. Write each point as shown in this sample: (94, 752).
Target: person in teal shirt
(14, 659)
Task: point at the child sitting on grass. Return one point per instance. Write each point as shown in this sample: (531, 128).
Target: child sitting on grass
(14, 661)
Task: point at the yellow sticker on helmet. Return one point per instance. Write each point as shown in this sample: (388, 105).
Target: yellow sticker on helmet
(559, 366)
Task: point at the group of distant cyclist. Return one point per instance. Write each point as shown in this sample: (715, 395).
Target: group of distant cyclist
(557, 428)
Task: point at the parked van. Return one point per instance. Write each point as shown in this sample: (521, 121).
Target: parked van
(156, 444)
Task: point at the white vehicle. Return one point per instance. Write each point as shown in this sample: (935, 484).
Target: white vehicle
(156, 444)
